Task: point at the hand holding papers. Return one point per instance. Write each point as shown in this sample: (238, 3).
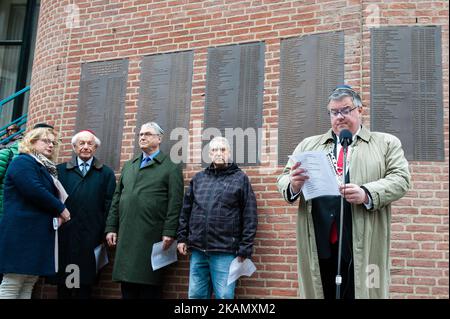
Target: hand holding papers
(161, 258)
(237, 269)
(322, 180)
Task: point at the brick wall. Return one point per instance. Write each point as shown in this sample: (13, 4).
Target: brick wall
(131, 29)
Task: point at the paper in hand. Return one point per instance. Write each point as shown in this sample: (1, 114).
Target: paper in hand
(237, 269)
(101, 256)
(322, 180)
(161, 258)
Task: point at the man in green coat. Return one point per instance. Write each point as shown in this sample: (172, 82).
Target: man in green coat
(144, 210)
(377, 175)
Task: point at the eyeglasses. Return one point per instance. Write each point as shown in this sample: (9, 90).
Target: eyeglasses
(344, 112)
(48, 141)
(147, 134)
(83, 143)
(217, 149)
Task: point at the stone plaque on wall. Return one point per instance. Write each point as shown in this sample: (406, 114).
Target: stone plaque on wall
(101, 106)
(310, 68)
(406, 88)
(234, 98)
(165, 98)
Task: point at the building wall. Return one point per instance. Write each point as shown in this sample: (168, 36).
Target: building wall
(77, 31)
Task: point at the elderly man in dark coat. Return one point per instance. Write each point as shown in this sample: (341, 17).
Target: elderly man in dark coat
(145, 210)
(90, 185)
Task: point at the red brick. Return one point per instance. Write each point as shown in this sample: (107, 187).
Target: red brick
(133, 29)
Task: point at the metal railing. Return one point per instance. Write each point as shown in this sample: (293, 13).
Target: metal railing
(13, 96)
(21, 121)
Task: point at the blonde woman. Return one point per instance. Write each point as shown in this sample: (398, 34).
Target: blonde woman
(33, 203)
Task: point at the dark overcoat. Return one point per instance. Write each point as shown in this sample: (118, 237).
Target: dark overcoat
(146, 206)
(88, 203)
(27, 237)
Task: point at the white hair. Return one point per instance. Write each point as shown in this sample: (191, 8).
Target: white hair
(154, 126)
(219, 140)
(77, 136)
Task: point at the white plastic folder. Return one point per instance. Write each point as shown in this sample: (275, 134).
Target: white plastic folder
(237, 269)
(101, 256)
(162, 258)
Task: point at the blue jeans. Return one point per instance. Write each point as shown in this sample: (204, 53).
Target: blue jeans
(208, 272)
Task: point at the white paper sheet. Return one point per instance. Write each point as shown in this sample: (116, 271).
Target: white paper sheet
(101, 256)
(161, 258)
(237, 269)
(322, 179)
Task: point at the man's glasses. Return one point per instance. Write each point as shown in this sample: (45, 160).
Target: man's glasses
(344, 112)
(48, 141)
(84, 143)
(148, 134)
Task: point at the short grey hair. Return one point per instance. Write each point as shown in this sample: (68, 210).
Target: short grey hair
(154, 126)
(341, 92)
(219, 140)
(77, 136)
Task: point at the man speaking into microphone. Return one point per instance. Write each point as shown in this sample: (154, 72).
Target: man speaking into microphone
(376, 174)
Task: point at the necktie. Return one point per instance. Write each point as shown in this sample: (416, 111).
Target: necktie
(333, 233)
(340, 162)
(145, 161)
(84, 168)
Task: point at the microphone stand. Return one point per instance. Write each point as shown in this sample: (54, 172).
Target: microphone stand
(341, 223)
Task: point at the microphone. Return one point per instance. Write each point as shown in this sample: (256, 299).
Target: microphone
(345, 138)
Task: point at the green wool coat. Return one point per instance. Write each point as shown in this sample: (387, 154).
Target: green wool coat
(379, 164)
(6, 155)
(145, 206)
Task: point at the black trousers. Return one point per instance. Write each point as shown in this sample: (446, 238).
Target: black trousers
(84, 292)
(328, 271)
(140, 291)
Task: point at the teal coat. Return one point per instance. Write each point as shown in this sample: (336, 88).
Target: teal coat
(379, 164)
(6, 155)
(145, 206)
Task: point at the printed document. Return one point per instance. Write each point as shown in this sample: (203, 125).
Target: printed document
(322, 179)
(161, 258)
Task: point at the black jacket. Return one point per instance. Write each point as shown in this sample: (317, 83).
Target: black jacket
(219, 212)
(88, 203)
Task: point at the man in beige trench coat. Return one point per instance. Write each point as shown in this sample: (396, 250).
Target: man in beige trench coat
(377, 175)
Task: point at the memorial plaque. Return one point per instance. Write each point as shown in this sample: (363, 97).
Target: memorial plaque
(310, 68)
(165, 98)
(406, 89)
(101, 106)
(234, 99)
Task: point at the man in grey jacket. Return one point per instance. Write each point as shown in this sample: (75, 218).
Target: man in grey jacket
(377, 174)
